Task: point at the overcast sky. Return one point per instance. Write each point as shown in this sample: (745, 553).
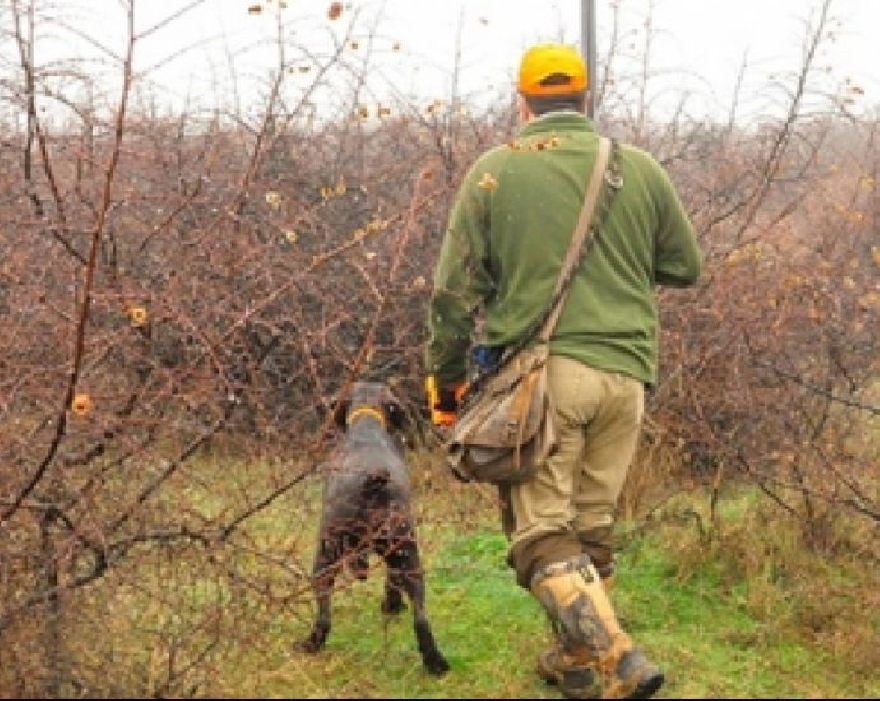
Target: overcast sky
(703, 41)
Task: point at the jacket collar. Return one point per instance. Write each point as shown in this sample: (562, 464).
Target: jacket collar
(562, 120)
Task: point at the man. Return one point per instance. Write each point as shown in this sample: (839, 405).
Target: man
(507, 235)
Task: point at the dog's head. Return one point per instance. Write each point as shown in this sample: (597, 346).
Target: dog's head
(370, 399)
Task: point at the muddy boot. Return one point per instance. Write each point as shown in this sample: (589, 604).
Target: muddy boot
(555, 669)
(593, 657)
(576, 677)
(597, 544)
(607, 583)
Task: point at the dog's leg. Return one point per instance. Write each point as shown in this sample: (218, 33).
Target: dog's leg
(405, 572)
(326, 568)
(357, 553)
(392, 602)
(393, 534)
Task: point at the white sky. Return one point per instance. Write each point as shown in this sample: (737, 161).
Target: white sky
(701, 41)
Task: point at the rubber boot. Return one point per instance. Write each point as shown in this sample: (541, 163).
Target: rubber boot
(593, 656)
(596, 542)
(553, 659)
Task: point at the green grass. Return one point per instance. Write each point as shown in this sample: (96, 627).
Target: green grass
(703, 637)
(720, 620)
(709, 644)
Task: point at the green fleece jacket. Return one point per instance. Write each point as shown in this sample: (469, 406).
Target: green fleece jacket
(508, 233)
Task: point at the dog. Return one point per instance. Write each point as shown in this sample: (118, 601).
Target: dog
(366, 509)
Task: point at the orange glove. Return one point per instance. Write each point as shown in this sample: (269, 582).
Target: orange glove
(443, 401)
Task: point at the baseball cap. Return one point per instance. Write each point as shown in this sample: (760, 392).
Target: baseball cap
(543, 60)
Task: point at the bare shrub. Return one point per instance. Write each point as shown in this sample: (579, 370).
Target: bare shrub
(185, 294)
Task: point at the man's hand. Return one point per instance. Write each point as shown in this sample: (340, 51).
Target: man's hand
(443, 401)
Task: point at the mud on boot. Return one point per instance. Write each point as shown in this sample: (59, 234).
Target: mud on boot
(589, 637)
(575, 678)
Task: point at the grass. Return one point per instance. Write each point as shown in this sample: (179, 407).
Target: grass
(700, 632)
(743, 613)
(484, 625)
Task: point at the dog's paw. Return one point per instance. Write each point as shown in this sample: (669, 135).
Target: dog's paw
(436, 664)
(312, 644)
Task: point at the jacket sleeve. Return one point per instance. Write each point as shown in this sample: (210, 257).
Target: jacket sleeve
(462, 281)
(678, 260)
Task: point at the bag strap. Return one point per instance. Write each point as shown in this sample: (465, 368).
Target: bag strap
(582, 232)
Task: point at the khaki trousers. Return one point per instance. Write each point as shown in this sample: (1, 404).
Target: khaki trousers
(599, 418)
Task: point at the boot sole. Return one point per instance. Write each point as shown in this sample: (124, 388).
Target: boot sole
(648, 687)
(552, 678)
(645, 690)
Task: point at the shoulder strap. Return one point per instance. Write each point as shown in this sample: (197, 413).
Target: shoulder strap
(581, 232)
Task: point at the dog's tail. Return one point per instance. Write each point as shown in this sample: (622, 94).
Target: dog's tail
(375, 489)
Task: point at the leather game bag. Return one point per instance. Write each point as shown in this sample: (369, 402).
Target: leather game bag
(509, 428)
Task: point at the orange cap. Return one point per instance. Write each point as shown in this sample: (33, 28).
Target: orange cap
(543, 60)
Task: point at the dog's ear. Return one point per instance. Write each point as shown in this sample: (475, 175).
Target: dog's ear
(340, 412)
(395, 414)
